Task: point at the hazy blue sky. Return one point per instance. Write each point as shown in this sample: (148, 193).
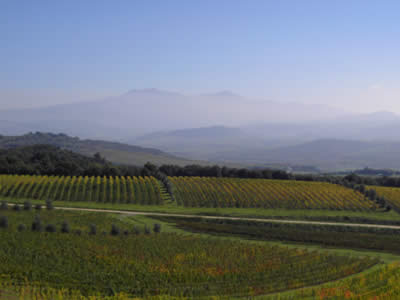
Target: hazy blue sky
(345, 53)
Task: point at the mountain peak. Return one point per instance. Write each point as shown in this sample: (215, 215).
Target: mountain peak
(380, 116)
(149, 91)
(224, 93)
(384, 115)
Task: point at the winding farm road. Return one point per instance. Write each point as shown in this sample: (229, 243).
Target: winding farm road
(134, 213)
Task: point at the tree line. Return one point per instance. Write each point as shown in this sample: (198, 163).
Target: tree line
(51, 160)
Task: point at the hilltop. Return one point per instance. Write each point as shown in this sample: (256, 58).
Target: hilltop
(114, 152)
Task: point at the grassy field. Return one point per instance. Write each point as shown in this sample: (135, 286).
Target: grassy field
(140, 158)
(372, 217)
(370, 239)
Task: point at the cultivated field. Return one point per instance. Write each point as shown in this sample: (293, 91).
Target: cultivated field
(264, 193)
(54, 254)
(381, 283)
(391, 194)
(133, 190)
(134, 263)
(188, 192)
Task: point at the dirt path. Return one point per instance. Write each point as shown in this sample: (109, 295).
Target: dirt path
(133, 213)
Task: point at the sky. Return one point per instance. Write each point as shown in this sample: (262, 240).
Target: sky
(341, 53)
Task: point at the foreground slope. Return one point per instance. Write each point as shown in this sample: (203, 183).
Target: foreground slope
(137, 264)
(381, 283)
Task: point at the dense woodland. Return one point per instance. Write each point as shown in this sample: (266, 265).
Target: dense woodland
(51, 160)
(67, 142)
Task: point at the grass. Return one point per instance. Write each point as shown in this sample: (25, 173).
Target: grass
(141, 158)
(383, 256)
(149, 222)
(311, 214)
(77, 220)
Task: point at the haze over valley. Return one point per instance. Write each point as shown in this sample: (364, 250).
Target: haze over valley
(223, 127)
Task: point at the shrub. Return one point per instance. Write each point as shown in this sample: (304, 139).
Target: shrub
(114, 230)
(3, 222)
(92, 229)
(147, 230)
(37, 225)
(50, 228)
(49, 205)
(157, 228)
(65, 227)
(27, 205)
(16, 207)
(38, 206)
(372, 195)
(21, 227)
(3, 205)
(136, 230)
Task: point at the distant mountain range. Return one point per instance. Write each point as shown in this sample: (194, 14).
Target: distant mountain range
(220, 127)
(327, 155)
(374, 126)
(140, 112)
(202, 143)
(352, 144)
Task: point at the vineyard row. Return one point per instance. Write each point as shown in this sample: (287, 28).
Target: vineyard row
(134, 190)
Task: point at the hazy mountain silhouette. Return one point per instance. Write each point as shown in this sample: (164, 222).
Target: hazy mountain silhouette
(251, 131)
(139, 112)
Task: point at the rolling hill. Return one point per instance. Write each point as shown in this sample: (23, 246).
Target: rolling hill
(326, 154)
(115, 152)
(345, 144)
(201, 143)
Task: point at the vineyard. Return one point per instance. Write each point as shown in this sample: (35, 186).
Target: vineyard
(264, 193)
(204, 192)
(391, 195)
(134, 190)
(382, 283)
(158, 264)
